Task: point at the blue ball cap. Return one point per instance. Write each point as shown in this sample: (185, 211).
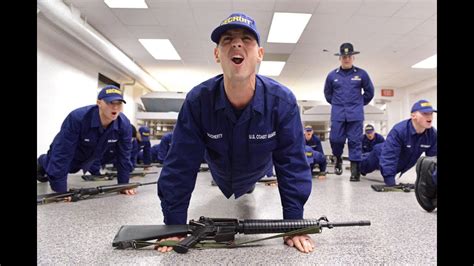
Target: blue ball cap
(145, 133)
(235, 20)
(111, 93)
(423, 106)
(369, 128)
(308, 128)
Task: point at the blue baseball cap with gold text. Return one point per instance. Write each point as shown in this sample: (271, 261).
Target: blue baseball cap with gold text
(235, 20)
(111, 93)
(423, 106)
(145, 133)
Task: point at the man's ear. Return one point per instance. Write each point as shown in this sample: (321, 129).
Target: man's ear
(216, 55)
(261, 52)
(98, 102)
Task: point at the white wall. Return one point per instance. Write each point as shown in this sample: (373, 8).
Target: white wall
(395, 114)
(67, 78)
(393, 108)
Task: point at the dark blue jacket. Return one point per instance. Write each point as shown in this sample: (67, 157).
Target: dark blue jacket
(238, 152)
(137, 146)
(108, 157)
(164, 146)
(368, 145)
(403, 147)
(343, 91)
(315, 143)
(154, 153)
(82, 140)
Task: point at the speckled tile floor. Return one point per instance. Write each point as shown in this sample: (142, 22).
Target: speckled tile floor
(402, 232)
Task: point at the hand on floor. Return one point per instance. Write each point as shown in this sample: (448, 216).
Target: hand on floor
(303, 243)
(131, 191)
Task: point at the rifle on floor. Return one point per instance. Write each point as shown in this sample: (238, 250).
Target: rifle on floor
(203, 168)
(405, 187)
(273, 179)
(221, 231)
(111, 176)
(85, 193)
(139, 165)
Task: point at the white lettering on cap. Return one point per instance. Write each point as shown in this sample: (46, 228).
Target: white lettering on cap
(216, 136)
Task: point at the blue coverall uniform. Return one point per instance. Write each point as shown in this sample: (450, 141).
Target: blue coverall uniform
(137, 146)
(164, 147)
(159, 151)
(315, 157)
(368, 144)
(400, 151)
(319, 158)
(109, 157)
(81, 141)
(153, 154)
(315, 143)
(237, 150)
(343, 91)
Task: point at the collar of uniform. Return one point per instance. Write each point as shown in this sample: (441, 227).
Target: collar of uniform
(220, 99)
(257, 100)
(411, 128)
(95, 121)
(353, 67)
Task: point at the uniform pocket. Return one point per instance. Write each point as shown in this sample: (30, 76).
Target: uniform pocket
(217, 150)
(260, 153)
(262, 147)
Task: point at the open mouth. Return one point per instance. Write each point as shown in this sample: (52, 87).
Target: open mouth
(237, 59)
(114, 113)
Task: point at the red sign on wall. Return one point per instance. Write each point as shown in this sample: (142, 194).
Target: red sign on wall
(388, 92)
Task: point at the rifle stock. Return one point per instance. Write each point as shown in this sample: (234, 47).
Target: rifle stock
(129, 233)
(84, 193)
(221, 230)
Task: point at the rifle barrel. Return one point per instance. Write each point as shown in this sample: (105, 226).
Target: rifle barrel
(341, 224)
(149, 183)
(264, 226)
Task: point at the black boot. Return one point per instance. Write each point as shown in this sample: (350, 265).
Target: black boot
(338, 166)
(355, 173)
(425, 189)
(41, 173)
